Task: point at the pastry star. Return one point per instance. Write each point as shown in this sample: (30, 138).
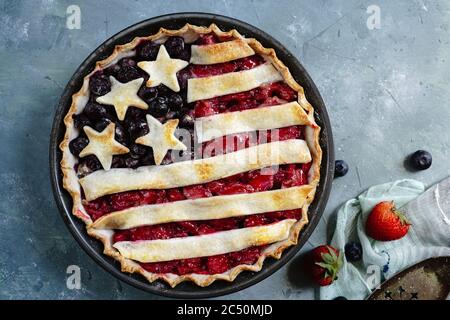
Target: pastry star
(103, 145)
(123, 95)
(163, 70)
(161, 138)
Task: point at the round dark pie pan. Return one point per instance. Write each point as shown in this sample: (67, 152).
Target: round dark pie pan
(94, 248)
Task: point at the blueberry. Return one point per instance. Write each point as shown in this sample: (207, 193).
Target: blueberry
(340, 168)
(175, 102)
(91, 162)
(137, 151)
(127, 62)
(99, 84)
(118, 162)
(187, 121)
(128, 74)
(81, 120)
(171, 115)
(185, 54)
(95, 111)
(148, 93)
(183, 76)
(128, 71)
(174, 46)
(420, 160)
(137, 128)
(147, 50)
(340, 298)
(131, 162)
(158, 107)
(102, 124)
(120, 134)
(353, 251)
(135, 113)
(163, 90)
(112, 70)
(77, 145)
(147, 159)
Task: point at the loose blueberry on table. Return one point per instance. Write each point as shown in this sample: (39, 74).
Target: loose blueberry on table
(340, 168)
(162, 105)
(420, 160)
(353, 251)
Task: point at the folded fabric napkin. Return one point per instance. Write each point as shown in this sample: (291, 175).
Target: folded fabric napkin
(428, 236)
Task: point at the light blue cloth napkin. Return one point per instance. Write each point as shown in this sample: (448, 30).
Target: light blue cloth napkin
(429, 235)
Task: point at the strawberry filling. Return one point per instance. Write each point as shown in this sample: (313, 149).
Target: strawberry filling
(206, 265)
(247, 63)
(267, 95)
(196, 228)
(253, 181)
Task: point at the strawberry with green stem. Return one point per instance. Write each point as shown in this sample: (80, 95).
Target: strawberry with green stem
(324, 263)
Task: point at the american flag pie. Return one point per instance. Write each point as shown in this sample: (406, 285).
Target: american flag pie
(192, 154)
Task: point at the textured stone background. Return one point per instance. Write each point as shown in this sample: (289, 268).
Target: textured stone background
(387, 93)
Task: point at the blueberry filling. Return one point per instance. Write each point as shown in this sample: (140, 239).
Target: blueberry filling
(147, 50)
(99, 84)
(159, 107)
(78, 144)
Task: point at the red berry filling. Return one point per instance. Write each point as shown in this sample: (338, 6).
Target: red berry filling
(253, 181)
(206, 265)
(199, 71)
(195, 228)
(209, 38)
(267, 95)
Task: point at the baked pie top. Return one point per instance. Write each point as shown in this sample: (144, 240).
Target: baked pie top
(192, 154)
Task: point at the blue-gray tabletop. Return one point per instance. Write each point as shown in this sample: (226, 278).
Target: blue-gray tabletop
(382, 68)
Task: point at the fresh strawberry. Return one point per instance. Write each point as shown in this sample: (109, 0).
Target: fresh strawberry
(385, 223)
(323, 263)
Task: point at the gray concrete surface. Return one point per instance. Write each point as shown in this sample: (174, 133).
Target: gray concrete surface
(387, 92)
